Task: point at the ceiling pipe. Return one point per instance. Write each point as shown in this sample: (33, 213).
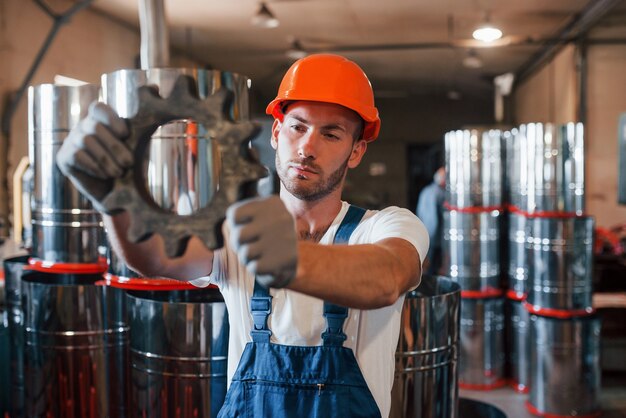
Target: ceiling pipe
(155, 47)
(578, 26)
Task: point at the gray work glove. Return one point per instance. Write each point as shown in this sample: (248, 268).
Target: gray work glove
(93, 154)
(263, 234)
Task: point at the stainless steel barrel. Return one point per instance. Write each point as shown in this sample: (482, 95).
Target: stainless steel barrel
(75, 338)
(471, 249)
(13, 272)
(552, 167)
(182, 163)
(425, 384)
(474, 161)
(518, 267)
(519, 346)
(564, 365)
(560, 257)
(66, 229)
(481, 359)
(179, 346)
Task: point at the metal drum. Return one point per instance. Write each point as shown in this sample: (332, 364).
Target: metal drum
(519, 346)
(74, 337)
(481, 359)
(518, 267)
(425, 384)
(471, 249)
(560, 257)
(552, 157)
(66, 229)
(182, 162)
(13, 271)
(474, 168)
(179, 347)
(564, 366)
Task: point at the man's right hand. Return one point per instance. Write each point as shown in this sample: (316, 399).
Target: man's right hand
(94, 154)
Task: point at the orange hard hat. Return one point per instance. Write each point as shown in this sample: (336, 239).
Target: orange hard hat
(331, 79)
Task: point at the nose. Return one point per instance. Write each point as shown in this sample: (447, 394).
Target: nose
(307, 145)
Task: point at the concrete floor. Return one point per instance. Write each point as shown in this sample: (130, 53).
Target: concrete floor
(612, 398)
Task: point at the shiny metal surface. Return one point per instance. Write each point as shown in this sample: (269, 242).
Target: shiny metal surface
(474, 175)
(154, 50)
(518, 266)
(75, 343)
(564, 365)
(551, 164)
(481, 360)
(178, 346)
(183, 162)
(560, 260)
(13, 271)
(65, 228)
(519, 344)
(425, 383)
(471, 248)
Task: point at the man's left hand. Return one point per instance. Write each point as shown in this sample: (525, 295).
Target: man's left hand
(262, 232)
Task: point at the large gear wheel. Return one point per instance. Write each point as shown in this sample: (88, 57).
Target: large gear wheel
(239, 171)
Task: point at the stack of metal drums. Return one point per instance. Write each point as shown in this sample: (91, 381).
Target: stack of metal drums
(471, 248)
(91, 343)
(554, 330)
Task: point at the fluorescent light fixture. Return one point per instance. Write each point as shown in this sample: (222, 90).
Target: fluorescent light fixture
(296, 51)
(487, 33)
(264, 18)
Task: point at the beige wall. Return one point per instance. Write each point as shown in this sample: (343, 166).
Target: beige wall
(606, 101)
(551, 95)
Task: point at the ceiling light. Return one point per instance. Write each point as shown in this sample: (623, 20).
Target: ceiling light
(487, 33)
(472, 60)
(296, 51)
(264, 18)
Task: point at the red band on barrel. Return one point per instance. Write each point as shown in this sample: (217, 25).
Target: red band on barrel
(544, 213)
(518, 387)
(513, 295)
(533, 410)
(489, 292)
(42, 266)
(558, 313)
(146, 283)
(497, 384)
(472, 209)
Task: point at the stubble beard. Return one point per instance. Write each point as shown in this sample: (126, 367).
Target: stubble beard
(305, 189)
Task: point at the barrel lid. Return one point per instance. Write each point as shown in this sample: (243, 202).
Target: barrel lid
(144, 283)
(43, 266)
(489, 292)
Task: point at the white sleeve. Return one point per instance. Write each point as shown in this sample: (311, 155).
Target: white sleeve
(395, 222)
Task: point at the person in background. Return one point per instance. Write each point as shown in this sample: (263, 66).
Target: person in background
(313, 326)
(430, 211)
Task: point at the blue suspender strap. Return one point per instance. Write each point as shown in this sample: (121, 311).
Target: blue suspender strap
(335, 315)
(260, 307)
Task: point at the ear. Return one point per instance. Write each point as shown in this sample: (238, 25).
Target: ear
(275, 129)
(358, 150)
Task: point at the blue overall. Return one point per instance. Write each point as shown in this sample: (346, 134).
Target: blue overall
(274, 380)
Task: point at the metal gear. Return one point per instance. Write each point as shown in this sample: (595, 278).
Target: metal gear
(239, 172)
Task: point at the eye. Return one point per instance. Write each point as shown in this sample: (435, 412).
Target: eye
(298, 128)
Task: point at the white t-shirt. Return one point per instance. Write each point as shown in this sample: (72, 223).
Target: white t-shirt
(297, 319)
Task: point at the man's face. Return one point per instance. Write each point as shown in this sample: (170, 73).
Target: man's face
(315, 146)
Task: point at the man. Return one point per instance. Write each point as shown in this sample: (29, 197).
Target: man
(430, 211)
(297, 363)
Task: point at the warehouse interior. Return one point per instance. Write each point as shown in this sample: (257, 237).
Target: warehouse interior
(559, 66)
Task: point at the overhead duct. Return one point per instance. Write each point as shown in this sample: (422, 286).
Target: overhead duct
(155, 51)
